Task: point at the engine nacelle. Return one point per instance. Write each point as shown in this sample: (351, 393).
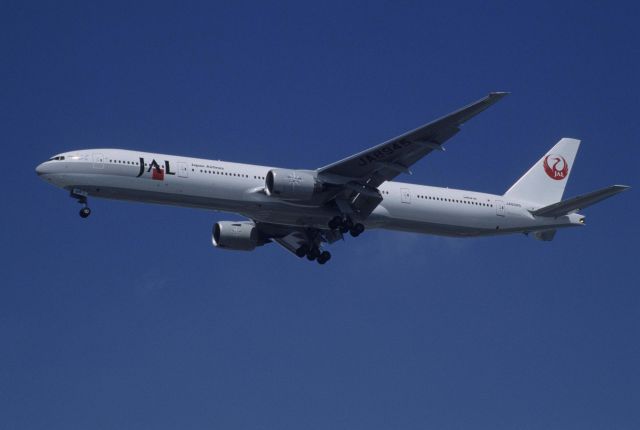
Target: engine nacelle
(297, 185)
(237, 236)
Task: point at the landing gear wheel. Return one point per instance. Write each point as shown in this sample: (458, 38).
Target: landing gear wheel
(346, 226)
(324, 257)
(335, 222)
(81, 197)
(302, 251)
(313, 254)
(356, 230)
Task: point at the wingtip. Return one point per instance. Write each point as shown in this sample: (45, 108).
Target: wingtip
(499, 93)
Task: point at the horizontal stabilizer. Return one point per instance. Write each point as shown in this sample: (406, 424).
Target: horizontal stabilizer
(580, 202)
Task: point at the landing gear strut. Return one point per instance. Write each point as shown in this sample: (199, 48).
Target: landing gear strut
(82, 199)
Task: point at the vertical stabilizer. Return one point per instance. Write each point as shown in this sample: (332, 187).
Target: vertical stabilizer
(544, 183)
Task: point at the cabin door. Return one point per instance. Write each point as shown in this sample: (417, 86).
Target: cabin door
(405, 195)
(98, 161)
(183, 170)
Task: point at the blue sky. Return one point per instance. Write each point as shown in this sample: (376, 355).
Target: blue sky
(130, 319)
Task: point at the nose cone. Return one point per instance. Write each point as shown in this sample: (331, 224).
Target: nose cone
(52, 173)
(46, 169)
(40, 169)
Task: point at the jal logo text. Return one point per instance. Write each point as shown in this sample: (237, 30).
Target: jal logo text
(157, 172)
(556, 167)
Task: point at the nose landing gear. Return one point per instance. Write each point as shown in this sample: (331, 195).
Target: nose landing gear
(81, 197)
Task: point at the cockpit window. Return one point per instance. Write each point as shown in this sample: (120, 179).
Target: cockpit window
(57, 158)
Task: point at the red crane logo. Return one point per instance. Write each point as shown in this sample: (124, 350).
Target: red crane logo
(556, 167)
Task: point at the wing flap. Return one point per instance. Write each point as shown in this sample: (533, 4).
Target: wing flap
(292, 241)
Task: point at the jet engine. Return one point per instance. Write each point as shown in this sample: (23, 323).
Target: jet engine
(237, 236)
(296, 185)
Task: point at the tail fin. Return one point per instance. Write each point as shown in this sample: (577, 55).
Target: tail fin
(545, 181)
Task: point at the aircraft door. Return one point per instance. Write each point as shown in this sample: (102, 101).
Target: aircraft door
(183, 170)
(499, 207)
(405, 195)
(98, 161)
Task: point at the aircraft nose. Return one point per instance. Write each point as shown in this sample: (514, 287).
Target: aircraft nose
(43, 168)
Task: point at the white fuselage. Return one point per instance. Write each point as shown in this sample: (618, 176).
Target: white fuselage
(239, 188)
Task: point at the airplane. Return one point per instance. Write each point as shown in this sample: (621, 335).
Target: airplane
(304, 209)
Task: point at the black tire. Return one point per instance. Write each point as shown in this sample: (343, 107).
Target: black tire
(85, 212)
(302, 251)
(313, 254)
(324, 257)
(335, 222)
(356, 230)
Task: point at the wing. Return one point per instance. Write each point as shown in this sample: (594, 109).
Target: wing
(385, 161)
(361, 174)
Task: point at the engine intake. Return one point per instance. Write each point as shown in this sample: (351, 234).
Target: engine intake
(237, 236)
(298, 185)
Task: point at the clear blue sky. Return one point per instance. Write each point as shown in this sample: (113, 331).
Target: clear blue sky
(131, 320)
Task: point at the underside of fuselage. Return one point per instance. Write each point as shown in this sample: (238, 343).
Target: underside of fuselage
(299, 216)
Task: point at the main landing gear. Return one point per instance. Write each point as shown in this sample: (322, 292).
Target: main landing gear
(82, 199)
(339, 226)
(346, 224)
(313, 253)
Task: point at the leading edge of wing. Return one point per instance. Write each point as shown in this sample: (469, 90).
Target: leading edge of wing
(444, 125)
